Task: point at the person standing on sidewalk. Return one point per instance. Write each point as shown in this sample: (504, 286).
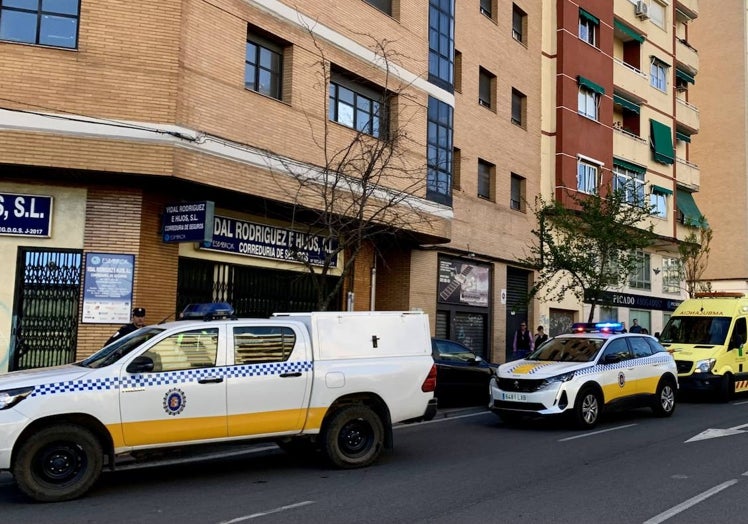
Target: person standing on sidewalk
(523, 343)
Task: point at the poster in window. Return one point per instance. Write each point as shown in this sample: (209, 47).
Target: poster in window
(108, 287)
(463, 283)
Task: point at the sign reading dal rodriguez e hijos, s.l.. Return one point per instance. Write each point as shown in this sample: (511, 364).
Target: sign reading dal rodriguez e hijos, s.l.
(232, 235)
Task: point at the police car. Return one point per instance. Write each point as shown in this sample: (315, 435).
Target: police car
(582, 373)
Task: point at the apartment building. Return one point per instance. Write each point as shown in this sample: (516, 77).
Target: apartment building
(156, 154)
(617, 78)
(721, 150)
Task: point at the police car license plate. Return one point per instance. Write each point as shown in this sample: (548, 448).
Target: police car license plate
(517, 397)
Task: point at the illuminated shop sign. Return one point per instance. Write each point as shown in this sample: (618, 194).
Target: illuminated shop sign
(232, 235)
(25, 215)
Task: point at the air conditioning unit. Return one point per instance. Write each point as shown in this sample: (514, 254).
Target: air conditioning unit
(642, 10)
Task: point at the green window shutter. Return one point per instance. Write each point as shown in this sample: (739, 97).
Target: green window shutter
(687, 205)
(626, 104)
(628, 31)
(684, 76)
(582, 81)
(661, 190)
(636, 168)
(662, 142)
(589, 16)
(682, 137)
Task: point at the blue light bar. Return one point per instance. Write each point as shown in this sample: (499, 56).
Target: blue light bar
(207, 311)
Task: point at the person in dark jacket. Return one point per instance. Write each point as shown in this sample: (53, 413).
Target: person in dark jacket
(540, 337)
(523, 343)
(138, 321)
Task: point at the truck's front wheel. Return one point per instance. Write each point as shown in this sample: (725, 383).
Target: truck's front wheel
(354, 437)
(58, 463)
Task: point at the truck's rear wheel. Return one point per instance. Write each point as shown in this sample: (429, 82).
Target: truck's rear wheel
(354, 437)
(58, 463)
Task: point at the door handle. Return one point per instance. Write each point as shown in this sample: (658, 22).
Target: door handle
(210, 380)
(285, 375)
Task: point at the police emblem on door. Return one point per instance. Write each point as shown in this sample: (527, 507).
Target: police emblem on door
(174, 401)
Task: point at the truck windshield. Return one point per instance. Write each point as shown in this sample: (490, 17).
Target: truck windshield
(696, 330)
(576, 349)
(116, 350)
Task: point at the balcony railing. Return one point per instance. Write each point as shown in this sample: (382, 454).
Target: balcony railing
(687, 55)
(687, 174)
(629, 146)
(687, 114)
(630, 79)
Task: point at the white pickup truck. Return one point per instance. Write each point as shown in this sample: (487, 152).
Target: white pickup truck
(328, 381)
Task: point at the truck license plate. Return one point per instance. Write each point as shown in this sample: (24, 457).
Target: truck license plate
(513, 396)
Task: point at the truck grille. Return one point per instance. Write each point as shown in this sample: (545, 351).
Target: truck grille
(684, 366)
(514, 384)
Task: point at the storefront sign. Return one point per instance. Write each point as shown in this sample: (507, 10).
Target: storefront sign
(107, 291)
(615, 299)
(188, 222)
(25, 215)
(231, 235)
(463, 283)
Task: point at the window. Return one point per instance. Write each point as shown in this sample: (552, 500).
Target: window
(261, 344)
(640, 278)
(458, 72)
(671, 275)
(657, 13)
(439, 152)
(441, 42)
(43, 22)
(586, 177)
(486, 88)
(186, 350)
(263, 69)
(658, 201)
(519, 25)
(517, 193)
(588, 102)
(383, 5)
(357, 106)
(630, 182)
(588, 27)
(486, 174)
(519, 108)
(658, 74)
(486, 8)
(456, 165)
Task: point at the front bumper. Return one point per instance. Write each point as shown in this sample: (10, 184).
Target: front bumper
(700, 382)
(12, 423)
(551, 401)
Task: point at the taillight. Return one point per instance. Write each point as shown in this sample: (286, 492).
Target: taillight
(429, 384)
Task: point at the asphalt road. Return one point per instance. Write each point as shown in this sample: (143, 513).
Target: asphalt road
(468, 467)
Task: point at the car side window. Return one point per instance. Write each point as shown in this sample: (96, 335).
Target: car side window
(451, 351)
(639, 347)
(738, 333)
(656, 346)
(260, 344)
(186, 350)
(617, 348)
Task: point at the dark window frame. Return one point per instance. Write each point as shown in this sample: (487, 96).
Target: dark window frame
(441, 43)
(519, 108)
(362, 100)
(439, 151)
(486, 180)
(262, 48)
(519, 25)
(517, 191)
(383, 5)
(486, 88)
(41, 15)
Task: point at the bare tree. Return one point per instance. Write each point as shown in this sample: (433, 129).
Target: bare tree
(694, 258)
(368, 188)
(589, 247)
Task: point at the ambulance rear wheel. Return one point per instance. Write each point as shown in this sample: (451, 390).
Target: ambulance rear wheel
(58, 463)
(354, 437)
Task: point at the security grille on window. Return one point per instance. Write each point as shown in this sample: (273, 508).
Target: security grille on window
(640, 277)
(586, 177)
(630, 182)
(356, 106)
(588, 102)
(42, 22)
(263, 66)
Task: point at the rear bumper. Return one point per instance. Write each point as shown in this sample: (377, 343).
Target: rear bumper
(429, 414)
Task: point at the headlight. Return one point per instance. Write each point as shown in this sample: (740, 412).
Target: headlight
(552, 381)
(704, 366)
(11, 397)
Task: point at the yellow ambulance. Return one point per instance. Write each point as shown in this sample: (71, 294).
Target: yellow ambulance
(706, 336)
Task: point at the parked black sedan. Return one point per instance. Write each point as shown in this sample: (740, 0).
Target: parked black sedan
(462, 376)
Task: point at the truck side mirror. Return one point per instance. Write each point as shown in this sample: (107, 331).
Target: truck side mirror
(140, 364)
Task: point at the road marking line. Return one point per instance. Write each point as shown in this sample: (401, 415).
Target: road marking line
(440, 419)
(662, 517)
(739, 403)
(268, 512)
(596, 432)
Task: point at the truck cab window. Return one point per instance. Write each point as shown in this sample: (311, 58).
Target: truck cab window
(260, 344)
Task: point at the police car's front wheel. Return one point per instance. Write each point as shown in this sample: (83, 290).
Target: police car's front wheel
(664, 402)
(58, 463)
(587, 408)
(354, 437)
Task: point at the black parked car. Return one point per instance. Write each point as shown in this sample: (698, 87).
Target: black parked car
(462, 376)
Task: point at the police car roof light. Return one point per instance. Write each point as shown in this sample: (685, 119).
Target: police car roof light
(597, 327)
(207, 311)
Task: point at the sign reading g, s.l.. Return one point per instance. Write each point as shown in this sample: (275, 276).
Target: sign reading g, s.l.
(25, 215)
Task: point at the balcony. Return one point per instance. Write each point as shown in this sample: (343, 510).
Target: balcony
(687, 115)
(630, 79)
(689, 9)
(630, 147)
(687, 174)
(687, 55)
